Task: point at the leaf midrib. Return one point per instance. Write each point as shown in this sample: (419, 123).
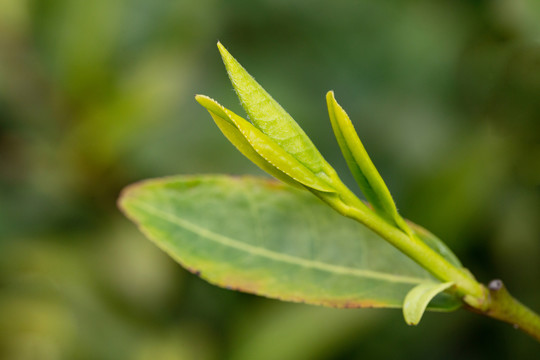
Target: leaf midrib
(269, 254)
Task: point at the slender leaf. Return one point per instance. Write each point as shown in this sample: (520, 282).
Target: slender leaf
(366, 175)
(270, 239)
(418, 298)
(231, 132)
(260, 149)
(269, 117)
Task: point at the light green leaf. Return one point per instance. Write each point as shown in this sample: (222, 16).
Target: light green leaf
(265, 238)
(418, 299)
(260, 149)
(231, 132)
(366, 175)
(269, 117)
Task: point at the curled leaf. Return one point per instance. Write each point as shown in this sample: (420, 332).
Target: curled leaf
(366, 175)
(418, 298)
(260, 149)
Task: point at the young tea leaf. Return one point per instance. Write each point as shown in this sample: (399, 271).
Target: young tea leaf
(366, 175)
(268, 116)
(231, 132)
(260, 149)
(262, 237)
(418, 299)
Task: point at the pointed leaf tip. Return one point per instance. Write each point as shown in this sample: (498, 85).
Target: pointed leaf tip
(214, 107)
(270, 117)
(418, 298)
(231, 64)
(362, 168)
(261, 149)
(224, 53)
(189, 217)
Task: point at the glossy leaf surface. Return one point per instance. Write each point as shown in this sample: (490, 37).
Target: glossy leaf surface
(265, 238)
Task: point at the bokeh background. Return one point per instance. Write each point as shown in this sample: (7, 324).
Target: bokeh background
(95, 95)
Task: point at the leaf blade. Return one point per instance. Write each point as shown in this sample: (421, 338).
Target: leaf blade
(231, 132)
(270, 117)
(364, 171)
(263, 241)
(260, 149)
(418, 299)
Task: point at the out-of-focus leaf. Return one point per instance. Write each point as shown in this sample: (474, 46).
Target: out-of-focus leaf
(298, 331)
(418, 298)
(435, 243)
(265, 238)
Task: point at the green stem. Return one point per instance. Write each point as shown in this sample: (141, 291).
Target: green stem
(503, 306)
(349, 205)
(494, 301)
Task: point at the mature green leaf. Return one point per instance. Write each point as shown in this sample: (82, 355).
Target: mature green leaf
(260, 149)
(366, 175)
(269, 117)
(270, 239)
(418, 298)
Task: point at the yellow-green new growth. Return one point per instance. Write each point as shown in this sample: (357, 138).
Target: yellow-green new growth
(270, 117)
(365, 173)
(260, 148)
(277, 144)
(184, 217)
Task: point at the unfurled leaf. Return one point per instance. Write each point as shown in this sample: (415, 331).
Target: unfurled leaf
(260, 149)
(265, 238)
(417, 300)
(366, 175)
(269, 117)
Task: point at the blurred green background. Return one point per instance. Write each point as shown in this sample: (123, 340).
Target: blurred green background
(95, 95)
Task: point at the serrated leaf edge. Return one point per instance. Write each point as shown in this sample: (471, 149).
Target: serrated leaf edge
(277, 158)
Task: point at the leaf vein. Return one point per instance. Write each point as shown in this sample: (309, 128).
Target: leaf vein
(269, 254)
